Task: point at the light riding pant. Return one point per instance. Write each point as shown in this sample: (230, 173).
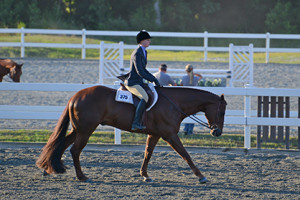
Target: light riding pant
(138, 91)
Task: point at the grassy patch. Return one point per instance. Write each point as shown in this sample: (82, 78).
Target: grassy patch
(203, 140)
(154, 55)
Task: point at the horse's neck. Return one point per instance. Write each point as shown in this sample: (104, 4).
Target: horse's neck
(3, 70)
(192, 101)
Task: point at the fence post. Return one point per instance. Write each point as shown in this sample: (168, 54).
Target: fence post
(251, 64)
(101, 63)
(273, 114)
(83, 44)
(117, 131)
(298, 126)
(258, 138)
(280, 115)
(267, 46)
(22, 43)
(247, 114)
(230, 63)
(265, 114)
(205, 46)
(121, 54)
(287, 128)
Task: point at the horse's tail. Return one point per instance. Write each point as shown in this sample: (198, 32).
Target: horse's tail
(50, 158)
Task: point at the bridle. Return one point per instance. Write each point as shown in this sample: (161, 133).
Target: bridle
(194, 117)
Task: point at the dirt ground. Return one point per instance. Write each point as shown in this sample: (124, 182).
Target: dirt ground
(114, 170)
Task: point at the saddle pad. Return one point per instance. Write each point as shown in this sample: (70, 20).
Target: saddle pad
(124, 96)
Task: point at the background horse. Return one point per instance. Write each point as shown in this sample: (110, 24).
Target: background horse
(96, 105)
(8, 66)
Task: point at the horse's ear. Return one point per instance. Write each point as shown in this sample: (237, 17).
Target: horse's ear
(20, 65)
(222, 97)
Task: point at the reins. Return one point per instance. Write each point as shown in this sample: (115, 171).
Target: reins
(193, 117)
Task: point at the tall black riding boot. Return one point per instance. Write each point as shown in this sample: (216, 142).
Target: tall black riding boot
(136, 124)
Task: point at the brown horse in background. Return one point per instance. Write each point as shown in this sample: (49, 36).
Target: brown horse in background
(96, 105)
(10, 67)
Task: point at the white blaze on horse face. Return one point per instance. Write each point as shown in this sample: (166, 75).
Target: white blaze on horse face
(15, 73)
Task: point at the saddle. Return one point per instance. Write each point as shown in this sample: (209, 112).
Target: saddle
(123, 95)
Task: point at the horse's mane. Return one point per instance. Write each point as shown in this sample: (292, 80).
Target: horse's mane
(185, 88)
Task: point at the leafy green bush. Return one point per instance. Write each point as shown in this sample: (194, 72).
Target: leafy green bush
(216, 82)
(210, 83)
(204, 82)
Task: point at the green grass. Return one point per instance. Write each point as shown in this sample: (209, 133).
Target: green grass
(154, 55)
(200, 139)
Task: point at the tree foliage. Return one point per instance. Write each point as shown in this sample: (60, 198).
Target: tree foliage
(243, 16)
(284, 17)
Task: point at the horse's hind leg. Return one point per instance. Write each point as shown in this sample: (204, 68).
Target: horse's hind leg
(176, 144)
(80, 142)
(150, 145)
(70, 138)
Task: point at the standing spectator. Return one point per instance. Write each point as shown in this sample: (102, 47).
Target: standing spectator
(191, 79)
(162, 76)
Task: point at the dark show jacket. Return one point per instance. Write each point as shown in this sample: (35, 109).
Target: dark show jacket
(138, 69)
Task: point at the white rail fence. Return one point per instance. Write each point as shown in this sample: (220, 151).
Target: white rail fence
(205, 36)
(245, 117)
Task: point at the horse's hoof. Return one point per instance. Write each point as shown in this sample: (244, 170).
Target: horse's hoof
(148, 179)
(45, 173)
(203, 180)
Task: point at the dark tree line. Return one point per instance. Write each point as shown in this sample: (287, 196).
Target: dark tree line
(233, 16)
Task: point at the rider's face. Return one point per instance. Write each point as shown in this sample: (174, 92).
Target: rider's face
(145, 43)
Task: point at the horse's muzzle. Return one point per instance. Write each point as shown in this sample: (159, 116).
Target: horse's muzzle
(216, 132)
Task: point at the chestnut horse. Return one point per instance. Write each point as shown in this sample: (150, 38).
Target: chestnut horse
(8, 66)
(96, 105)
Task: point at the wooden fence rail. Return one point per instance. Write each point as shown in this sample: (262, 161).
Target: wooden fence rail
(273, 107)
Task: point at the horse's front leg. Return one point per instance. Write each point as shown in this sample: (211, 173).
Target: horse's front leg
(176, 144)
(150, 145)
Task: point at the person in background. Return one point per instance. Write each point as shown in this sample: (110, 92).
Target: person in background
(138, 72)
(162, 76)
(191, 79)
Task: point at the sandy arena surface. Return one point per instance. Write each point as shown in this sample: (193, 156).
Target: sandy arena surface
(114, 170)
(232, 173)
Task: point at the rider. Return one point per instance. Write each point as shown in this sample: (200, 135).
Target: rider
(138, 72)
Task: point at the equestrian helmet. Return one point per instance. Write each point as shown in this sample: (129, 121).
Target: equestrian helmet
(142, 35)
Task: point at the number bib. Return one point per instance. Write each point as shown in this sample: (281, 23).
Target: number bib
(124, 96)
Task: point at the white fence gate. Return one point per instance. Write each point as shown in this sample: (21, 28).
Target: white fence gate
(241, 65)
(240, 69)
(111, 60)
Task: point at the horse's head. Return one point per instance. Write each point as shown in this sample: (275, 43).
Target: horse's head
(16, 72)
(215, 113)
